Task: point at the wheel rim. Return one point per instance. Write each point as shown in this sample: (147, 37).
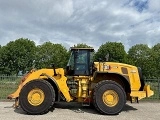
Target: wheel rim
(36, 97)
(110, 98)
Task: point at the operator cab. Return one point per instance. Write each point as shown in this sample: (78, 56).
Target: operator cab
(80, 62)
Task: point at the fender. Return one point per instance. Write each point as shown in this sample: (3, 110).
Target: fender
(98, 76)
(53, 82)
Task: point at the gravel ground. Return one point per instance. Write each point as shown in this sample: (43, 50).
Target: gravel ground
(74, 111)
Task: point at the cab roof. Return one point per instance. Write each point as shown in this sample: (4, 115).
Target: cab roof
(74, 48)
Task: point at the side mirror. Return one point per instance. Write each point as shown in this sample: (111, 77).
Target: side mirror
(99, 59)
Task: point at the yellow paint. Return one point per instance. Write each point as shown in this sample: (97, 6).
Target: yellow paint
(36, 97)
(34, 75)
(110, 98)
(84, 82)
(133, 75)
(79, 93)
(147, 92)
(83, 86)
(138, 94)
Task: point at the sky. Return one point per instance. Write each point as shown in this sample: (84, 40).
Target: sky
(69, 22)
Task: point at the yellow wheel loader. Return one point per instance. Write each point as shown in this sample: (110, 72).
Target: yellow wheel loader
(105, 85)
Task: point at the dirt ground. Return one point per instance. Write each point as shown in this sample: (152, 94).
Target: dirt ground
(74, 111)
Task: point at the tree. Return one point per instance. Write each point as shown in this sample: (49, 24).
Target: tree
(142, 56)
(156, 58)
(114, 50)
(17, 56)
(1, 62)
(49, 53)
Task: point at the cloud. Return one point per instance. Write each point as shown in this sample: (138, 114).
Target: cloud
(69, 22)
(154, 5)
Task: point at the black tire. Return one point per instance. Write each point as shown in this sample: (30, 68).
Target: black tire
(141, 79)
(98, 97)
(48, 95)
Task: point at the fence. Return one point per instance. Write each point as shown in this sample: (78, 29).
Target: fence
(8, 84)
(155, 86)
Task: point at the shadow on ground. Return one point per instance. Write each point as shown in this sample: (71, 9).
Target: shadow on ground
(77, 108)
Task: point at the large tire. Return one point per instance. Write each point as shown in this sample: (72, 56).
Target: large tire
(109, 97)
(37, 97)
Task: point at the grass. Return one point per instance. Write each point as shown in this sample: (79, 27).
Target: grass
(7, 86)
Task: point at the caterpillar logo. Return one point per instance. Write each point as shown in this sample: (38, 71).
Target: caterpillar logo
(107, 67)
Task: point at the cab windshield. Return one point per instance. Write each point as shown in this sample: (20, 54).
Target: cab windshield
(80, 61)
